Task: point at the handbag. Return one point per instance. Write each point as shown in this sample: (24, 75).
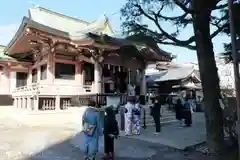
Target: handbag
(89, 129)
(136, 112)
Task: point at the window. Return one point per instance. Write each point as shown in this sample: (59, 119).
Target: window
(88, 71)
(43, 72)
(21, 79)
(65, 71)
(34, 75)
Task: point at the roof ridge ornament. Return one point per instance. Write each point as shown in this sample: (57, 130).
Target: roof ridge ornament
(34, 5)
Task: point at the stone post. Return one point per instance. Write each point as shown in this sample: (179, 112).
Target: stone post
(36, 103)
(29, 107)
(57, 102)
(24, 103)
(18, 102)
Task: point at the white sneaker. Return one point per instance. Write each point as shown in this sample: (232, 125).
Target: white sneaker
(156, 133)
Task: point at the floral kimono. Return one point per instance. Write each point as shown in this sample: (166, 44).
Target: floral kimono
(90, 142)
(129, 118)
(136, 119)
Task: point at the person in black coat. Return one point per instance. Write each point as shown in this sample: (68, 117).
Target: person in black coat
(156, 114)
(111, 132)
(179, 110)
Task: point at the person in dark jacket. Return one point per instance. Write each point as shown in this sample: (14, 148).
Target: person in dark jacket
(187, 112)
(156, 114)
(111, 132)
(179, 110)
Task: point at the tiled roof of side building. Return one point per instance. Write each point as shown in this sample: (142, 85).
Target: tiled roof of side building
(2, 55)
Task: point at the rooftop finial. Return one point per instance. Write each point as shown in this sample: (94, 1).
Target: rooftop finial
(33, 4)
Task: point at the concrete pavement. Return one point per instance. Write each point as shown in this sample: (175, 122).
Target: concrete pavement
(176, 136)
(20, 141)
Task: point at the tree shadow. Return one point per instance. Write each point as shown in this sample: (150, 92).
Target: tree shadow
(62, 150)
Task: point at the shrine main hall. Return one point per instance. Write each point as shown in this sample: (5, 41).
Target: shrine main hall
(53, 57)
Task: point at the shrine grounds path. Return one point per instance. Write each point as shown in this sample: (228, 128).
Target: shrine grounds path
(21, 142)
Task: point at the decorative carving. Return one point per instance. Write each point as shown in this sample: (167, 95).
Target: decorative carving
(97, 56)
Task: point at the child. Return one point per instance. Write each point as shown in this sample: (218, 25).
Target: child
(110, 132)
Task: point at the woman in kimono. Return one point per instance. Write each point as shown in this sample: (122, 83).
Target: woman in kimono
(92, 130)
(136, 118)
(129, 115)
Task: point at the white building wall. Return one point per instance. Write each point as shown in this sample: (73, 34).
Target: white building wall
(12, 81)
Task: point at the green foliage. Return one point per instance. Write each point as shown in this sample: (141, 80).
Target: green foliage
(236, 20)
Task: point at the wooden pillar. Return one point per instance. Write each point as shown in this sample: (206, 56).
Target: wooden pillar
(29, 80)
(143, 88)
(79, 73)
(50, 68)
(98, 77)
(38, 74)
(143, 83)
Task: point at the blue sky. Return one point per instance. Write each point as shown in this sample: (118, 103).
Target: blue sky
(12, 12)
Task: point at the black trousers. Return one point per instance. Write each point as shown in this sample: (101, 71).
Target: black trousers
(188, 118)
(108, 144)
(157, 123)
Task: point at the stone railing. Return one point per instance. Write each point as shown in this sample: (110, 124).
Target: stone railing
(52, 89)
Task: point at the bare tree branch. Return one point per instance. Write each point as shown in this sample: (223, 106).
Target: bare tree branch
(192, 47)
(164, 33)
(222, 6)
(183, 6)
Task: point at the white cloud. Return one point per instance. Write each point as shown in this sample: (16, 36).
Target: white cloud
(7, 32)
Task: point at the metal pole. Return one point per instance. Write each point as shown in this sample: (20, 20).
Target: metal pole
(235, 67)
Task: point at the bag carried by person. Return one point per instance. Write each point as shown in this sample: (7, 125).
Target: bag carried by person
(88, 129)
(136, 112)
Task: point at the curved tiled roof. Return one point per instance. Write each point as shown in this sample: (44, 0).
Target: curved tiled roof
(2, 55)
(172, 74)
(77, 30)
(64, 23)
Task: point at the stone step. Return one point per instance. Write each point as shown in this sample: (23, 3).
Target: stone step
(150, 120)
(167, 117)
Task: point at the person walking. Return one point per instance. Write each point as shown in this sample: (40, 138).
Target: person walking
(136, 118)
(156, 114)
(111, 132)
(187, 111)
(129, 115)
(92, 130)
(179, 110)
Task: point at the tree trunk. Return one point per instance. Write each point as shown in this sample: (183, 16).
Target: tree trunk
(209, 76)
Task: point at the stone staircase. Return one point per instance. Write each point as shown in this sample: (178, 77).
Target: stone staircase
(168, 117)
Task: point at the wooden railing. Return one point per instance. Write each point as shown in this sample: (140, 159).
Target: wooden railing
(52, 89)
(101, 99)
